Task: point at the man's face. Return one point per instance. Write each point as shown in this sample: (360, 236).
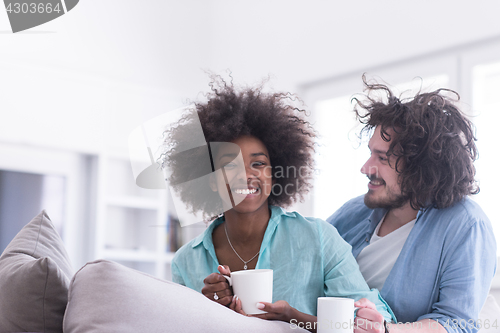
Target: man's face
(384, 190)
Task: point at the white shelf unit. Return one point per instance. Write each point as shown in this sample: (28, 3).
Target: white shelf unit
(131, 226)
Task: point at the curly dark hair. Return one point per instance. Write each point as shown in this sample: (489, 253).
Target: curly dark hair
(231, 113)
(433, 142)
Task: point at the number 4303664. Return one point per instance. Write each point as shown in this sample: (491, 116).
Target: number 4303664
(471, 323)
(32, 8)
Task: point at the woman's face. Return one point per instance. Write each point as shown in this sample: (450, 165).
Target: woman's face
(249, 185)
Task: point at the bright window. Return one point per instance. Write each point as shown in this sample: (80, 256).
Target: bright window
(486, 106)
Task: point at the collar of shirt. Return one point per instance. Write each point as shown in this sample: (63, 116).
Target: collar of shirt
(206, 237)
(377, 215)
(373, 220)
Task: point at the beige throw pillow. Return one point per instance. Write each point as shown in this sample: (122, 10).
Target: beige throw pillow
(107, 297)
(34, 278)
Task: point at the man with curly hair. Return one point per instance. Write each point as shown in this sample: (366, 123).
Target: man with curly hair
(416, 234)
(308, 257)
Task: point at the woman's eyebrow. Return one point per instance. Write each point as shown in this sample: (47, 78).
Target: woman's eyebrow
(232, 155)
(259, 154)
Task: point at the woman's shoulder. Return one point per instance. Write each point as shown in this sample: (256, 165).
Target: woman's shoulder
(185, 251)
(195, 247)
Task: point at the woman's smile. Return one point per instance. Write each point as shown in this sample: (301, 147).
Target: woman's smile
(247, 191)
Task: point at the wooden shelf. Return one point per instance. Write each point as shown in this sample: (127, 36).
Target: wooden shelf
(126, 215)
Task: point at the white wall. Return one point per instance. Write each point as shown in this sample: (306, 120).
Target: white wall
(168, 44)
(90, 76)
(83, 81)
(302, 42)
(152, 43)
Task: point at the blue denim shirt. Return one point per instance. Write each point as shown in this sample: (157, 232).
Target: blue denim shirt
(308, 258)
(445, 268)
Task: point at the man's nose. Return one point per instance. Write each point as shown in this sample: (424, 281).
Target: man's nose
(366, 167)
(369, 168)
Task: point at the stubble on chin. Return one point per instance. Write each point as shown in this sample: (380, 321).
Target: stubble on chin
(371, 202)
(390, 202)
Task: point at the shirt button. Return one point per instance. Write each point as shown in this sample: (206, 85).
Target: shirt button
(366, 239)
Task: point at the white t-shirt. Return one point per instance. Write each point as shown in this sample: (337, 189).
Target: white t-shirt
(377, 258)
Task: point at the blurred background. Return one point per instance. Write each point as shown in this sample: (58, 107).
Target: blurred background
(72, 90)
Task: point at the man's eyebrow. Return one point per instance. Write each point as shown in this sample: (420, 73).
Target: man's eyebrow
(378, 151)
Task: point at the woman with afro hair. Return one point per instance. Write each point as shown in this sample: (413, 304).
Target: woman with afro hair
(308, 257)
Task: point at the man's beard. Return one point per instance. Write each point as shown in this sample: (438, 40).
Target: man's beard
(390, 201)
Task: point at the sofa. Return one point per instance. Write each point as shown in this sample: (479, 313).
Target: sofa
(40, 292)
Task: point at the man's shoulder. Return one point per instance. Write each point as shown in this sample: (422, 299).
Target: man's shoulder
(352, 212)
(455, 224)
(465, 212)
(469, 207)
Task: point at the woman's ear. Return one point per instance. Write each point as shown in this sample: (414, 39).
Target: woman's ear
(212, 182)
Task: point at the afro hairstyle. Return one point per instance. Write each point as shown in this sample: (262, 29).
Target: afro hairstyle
(230, 113)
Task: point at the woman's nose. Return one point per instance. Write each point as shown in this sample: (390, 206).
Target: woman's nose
(251, 172)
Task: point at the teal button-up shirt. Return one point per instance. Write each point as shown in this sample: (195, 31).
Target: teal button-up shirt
(308, 257)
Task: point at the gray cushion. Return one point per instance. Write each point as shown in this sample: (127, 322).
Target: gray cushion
(107, 297)
(34, 278)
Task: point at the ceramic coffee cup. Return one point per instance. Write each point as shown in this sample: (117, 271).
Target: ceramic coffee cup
(335, 314)
(252, 286)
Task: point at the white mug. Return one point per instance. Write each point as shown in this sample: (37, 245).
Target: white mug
(252, 286)
(335, 314)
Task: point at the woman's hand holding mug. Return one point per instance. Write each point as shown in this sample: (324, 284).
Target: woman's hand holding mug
(217, 288)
